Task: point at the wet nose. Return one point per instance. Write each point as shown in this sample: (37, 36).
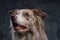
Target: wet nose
(13, 17)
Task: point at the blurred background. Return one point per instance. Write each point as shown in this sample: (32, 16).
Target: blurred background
(52, 21)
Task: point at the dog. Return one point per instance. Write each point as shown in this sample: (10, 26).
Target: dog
(27, 24)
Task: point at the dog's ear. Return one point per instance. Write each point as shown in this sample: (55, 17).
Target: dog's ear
(39, 13)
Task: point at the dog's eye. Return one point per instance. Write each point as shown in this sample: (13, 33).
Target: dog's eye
(17, 13)
(26, 14)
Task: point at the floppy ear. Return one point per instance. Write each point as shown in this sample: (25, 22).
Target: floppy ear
(39, 13)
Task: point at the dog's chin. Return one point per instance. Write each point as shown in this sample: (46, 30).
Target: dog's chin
(22, 32)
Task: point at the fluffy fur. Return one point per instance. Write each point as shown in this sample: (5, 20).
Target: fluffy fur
(32, 19)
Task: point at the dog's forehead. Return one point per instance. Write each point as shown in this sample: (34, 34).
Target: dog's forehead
(23, 10)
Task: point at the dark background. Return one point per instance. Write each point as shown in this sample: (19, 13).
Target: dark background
(51, 7)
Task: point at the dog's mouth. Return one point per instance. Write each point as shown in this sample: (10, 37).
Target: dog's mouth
(18, 27)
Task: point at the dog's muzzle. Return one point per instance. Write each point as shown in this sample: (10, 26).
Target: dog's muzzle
(17, 27)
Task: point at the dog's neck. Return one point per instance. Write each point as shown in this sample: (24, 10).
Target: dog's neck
(27, 36)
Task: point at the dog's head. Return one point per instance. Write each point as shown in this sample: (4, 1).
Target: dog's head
(23, 20)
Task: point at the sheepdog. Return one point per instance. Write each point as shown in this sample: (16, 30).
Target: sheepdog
(27, 24)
